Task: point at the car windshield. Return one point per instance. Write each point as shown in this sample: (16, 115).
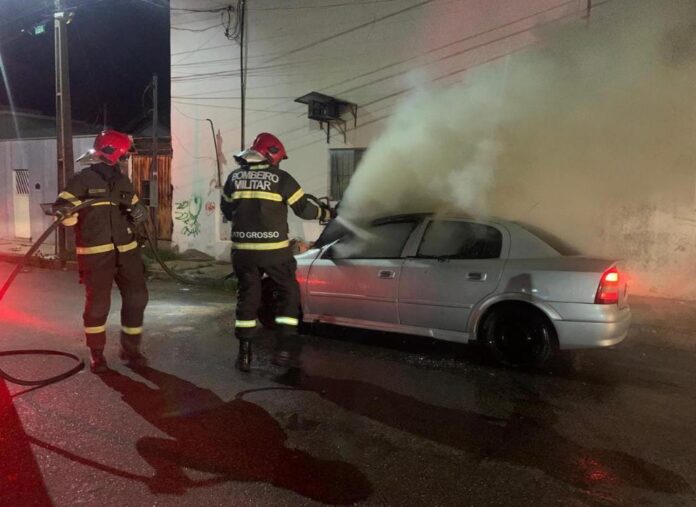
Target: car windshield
(334, 230)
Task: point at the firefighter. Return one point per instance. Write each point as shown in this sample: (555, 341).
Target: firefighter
(107, 249)
(255, 200)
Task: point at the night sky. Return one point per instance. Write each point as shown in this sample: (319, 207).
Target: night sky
(115, 46)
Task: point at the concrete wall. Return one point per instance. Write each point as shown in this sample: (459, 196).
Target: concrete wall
(39, 157)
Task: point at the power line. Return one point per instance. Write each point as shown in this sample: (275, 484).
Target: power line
(237, 108)
(322, 6)
(350, 30)
(182, 29)
(400, 92)
(220, 9)
(439, 78)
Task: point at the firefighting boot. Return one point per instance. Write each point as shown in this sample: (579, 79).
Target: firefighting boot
(130, 350)
(97, 361)
(288, 348)
(244, 356)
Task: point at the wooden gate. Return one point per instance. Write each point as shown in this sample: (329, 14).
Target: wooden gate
(141, 182)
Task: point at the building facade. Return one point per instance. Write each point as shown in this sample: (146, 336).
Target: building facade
(28, 171)
(365, 54)
(373, 55)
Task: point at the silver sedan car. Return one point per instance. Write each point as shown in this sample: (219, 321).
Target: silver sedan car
(463, 280)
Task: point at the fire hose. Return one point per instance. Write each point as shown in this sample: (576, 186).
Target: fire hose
(321, 202)
(18, 268)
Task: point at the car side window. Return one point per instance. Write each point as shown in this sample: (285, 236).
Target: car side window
(382, 241)
(460, 240)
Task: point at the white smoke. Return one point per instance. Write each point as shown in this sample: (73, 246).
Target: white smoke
(591, 136)
(438, 152)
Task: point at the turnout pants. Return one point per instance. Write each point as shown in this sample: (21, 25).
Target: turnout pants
(279, 265)
(98, 272)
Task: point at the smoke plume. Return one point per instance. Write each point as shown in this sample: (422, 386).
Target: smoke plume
(590, 136)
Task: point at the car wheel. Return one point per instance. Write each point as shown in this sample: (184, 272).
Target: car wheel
(519, 335)
(269, 304)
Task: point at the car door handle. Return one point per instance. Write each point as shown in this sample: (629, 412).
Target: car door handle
(386, 273)
(476, 276)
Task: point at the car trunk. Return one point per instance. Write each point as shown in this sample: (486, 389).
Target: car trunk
(567, 279)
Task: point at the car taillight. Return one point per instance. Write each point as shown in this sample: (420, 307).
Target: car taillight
(608, 291)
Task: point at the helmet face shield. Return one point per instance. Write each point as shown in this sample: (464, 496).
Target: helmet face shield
(250, 156)
(88, 158)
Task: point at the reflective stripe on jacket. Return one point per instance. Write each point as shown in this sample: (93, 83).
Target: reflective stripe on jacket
(256, 199)
(103, 227)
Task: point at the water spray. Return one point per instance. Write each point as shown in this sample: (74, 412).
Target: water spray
(359, 232)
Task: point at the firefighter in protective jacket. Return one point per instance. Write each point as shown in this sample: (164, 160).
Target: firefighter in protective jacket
(107, 249)
(255, 200)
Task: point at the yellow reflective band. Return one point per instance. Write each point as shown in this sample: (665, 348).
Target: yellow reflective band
(70, 198)
(288, 321)
(70, 221)
(255, 194)
(135, 199)
(320, 213)
(95, 330)
(125, 248)
(259, 166)
(104, 204)
(295, 197)
(132, 330)
(261, 246)
(89, 250)
(244, 323)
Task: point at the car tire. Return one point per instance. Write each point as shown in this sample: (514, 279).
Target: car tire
(268, 311)
(519, 335)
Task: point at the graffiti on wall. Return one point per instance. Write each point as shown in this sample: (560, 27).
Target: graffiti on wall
(209, 208)
(187, 212)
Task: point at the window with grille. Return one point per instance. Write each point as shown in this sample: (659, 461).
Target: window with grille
(22, 181)
(344, 161)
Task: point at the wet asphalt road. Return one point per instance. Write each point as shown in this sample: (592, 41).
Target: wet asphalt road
(372, 419)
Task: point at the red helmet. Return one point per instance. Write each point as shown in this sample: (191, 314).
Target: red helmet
(110, 146)
(270, 147)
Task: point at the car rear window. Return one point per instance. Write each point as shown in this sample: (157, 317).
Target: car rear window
(455, 239)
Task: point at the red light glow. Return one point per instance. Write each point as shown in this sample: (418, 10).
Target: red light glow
(608, 290)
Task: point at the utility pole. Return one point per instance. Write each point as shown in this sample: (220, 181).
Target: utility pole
(154, 166)
(63, 111)
(242, 65)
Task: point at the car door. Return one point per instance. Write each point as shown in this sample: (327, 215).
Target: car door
(357, 278)
(456, 264)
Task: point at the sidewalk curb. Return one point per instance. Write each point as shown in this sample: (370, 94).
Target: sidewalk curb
(39, 262)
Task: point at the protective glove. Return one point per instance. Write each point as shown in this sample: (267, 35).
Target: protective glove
(138, 213)
(61, 211)
(65, 214)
